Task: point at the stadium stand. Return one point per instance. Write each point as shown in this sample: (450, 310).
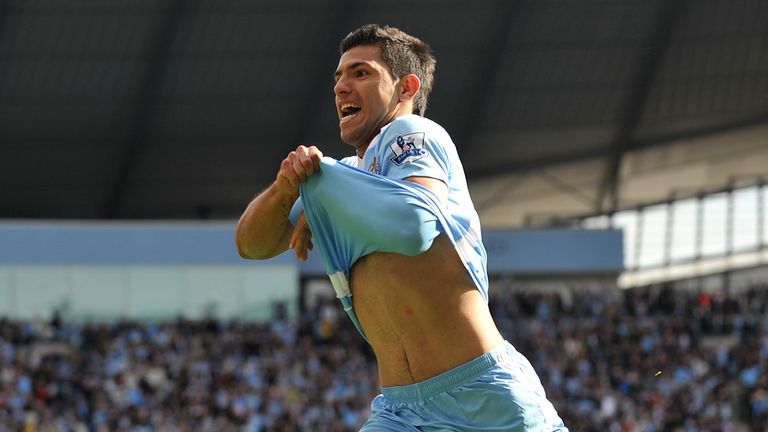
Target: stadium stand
(645, 359)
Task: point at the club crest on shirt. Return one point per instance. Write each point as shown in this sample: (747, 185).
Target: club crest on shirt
(374, 168)
(408, 148)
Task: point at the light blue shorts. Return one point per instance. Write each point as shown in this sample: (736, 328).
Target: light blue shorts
(498, 391)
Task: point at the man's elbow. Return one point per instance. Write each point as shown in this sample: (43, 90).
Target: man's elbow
(246, 249)
(245, 253)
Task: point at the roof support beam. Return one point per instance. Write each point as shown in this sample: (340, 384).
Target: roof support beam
(4, 13)
(636, 97)
(321, 99)
(490, 66)
(4, 30)
(138, 135)
(506, 168)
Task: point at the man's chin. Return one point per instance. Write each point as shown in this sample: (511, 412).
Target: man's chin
(349, 138)
(356, 137)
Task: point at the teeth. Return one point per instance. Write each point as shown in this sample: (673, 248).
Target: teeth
(347, 107)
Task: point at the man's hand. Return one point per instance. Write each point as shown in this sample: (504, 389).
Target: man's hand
(297, 167)
(263, 230)
(301, 240)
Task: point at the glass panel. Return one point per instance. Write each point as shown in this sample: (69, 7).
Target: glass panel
(684, 227)
(627, 222)
(714, 226)
(745, 203)
(41, 289)
(653, 235)
(764, 214)
(596, 222)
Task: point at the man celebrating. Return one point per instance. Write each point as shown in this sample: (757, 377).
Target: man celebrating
(401, 241)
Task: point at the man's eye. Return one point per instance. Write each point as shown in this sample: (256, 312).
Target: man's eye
(361, 73)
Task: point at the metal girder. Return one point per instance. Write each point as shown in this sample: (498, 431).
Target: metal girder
(320, 99)
(4, 13)
(4, 7)
(143, 116)
(5, 211)
(669, 15)
(507, 168)
(487, 75)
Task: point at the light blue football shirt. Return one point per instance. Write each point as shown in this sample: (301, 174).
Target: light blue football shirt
(414, 146)
(352, 212)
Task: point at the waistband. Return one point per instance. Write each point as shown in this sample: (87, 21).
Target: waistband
(449, 379)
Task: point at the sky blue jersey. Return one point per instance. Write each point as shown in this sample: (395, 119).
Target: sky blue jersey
(359, 206)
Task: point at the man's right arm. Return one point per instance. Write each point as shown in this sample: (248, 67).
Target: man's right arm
(264, 230)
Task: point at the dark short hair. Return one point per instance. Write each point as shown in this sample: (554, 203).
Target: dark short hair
(403, 53)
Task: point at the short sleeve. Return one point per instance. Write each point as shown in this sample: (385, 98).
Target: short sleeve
(413, 148)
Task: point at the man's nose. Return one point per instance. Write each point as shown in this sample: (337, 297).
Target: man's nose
(341, 87)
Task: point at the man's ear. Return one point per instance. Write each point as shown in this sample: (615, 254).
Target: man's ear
(410, 86)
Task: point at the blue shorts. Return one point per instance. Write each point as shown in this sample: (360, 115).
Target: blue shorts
(498, 391)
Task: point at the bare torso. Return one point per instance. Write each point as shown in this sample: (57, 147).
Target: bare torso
(422, 314)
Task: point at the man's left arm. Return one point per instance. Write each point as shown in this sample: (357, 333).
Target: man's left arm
(417, 152)
(438, 187)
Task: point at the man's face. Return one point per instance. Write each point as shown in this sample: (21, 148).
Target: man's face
(366, 95)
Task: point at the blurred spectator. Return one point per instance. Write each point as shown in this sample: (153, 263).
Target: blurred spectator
(640, 360)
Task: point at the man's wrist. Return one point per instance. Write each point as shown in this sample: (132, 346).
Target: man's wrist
(285, 190)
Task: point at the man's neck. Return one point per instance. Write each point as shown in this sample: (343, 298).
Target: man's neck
(401, 112)
(361, 150)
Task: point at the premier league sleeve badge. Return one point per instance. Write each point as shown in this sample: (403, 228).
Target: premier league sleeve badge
(408, 148)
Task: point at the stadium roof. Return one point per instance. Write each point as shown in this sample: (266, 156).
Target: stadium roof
(181, 109)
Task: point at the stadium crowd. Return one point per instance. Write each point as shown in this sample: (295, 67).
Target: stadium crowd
(636, 360)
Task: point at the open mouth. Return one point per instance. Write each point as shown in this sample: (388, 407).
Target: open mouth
(348, 111)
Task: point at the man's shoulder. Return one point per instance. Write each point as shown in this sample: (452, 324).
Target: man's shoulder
(413, 123)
